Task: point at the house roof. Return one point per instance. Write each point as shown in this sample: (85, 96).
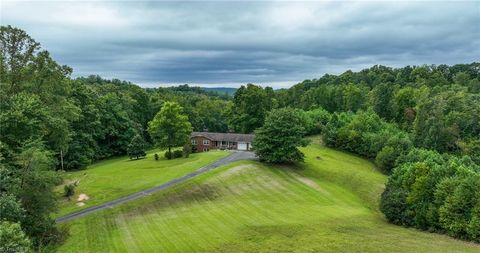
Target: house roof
(225, 136)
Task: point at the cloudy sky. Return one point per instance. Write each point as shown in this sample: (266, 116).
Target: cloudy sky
(227, 43)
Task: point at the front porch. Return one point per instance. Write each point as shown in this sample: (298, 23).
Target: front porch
(222, 145)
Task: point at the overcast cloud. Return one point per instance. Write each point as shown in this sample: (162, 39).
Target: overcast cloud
(230, 43)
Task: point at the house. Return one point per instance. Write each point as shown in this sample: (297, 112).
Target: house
(205, 141)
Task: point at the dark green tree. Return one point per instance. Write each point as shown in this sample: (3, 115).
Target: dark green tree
(277, 141)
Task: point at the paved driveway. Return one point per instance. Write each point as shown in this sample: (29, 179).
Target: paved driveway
(235, 156)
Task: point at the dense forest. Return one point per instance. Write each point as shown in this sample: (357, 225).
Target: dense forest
(420, 124)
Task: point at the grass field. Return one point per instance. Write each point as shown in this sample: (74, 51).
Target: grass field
(327, 205)
(114, 178)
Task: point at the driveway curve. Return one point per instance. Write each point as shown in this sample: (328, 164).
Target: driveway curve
(235, 156)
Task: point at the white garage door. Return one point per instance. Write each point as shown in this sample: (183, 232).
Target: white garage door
(242, 146)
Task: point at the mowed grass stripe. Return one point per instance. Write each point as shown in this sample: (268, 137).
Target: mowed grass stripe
(326, 205)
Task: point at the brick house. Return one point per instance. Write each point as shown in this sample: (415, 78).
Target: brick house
(205, 141)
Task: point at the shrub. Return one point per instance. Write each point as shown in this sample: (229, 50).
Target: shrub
(385, 159)
(69, 190)
(156, 157)
(177, 153)
(168, 155)
(394, 205)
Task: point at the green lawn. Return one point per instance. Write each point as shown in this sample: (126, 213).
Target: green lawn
(114, 178)
(327, 205)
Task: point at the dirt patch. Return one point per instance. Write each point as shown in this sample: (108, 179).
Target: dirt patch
(82, 197)
(80, 204)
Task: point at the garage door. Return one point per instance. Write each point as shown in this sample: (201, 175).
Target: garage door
(242, 146)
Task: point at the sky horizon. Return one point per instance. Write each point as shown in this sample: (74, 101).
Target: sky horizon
(229, 43)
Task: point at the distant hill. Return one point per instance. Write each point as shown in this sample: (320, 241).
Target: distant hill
(222, 90)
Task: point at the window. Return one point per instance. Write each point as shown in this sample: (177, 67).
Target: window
(194, 142)
(206, 142)
(205, 149)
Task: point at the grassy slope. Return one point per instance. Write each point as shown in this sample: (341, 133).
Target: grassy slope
(114, 178)
(329, 205)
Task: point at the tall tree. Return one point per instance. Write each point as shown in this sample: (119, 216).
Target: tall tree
(18, 51)
(170, 127)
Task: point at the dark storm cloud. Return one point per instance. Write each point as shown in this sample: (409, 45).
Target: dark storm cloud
(227, 43)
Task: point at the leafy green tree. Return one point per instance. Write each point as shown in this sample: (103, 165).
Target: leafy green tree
(18, 51)
(462, 78)
(13, 239)
(316, 120)
(460, 214)
(404, 102)
(87, 128)
(211, 115)
(250, 106)
(10, 208)
(381, 99)
(430, 128)
(118, 128)
(136, 148)
(354, 98)
(36, 192)
(170, 127)
(277, 141)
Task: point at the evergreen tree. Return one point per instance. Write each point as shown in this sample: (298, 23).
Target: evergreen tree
(136, 148)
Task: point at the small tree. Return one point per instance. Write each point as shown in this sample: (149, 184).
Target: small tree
(69, 190)
(156, 157)
(278, 139)
(170, 127)
(136, 148)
